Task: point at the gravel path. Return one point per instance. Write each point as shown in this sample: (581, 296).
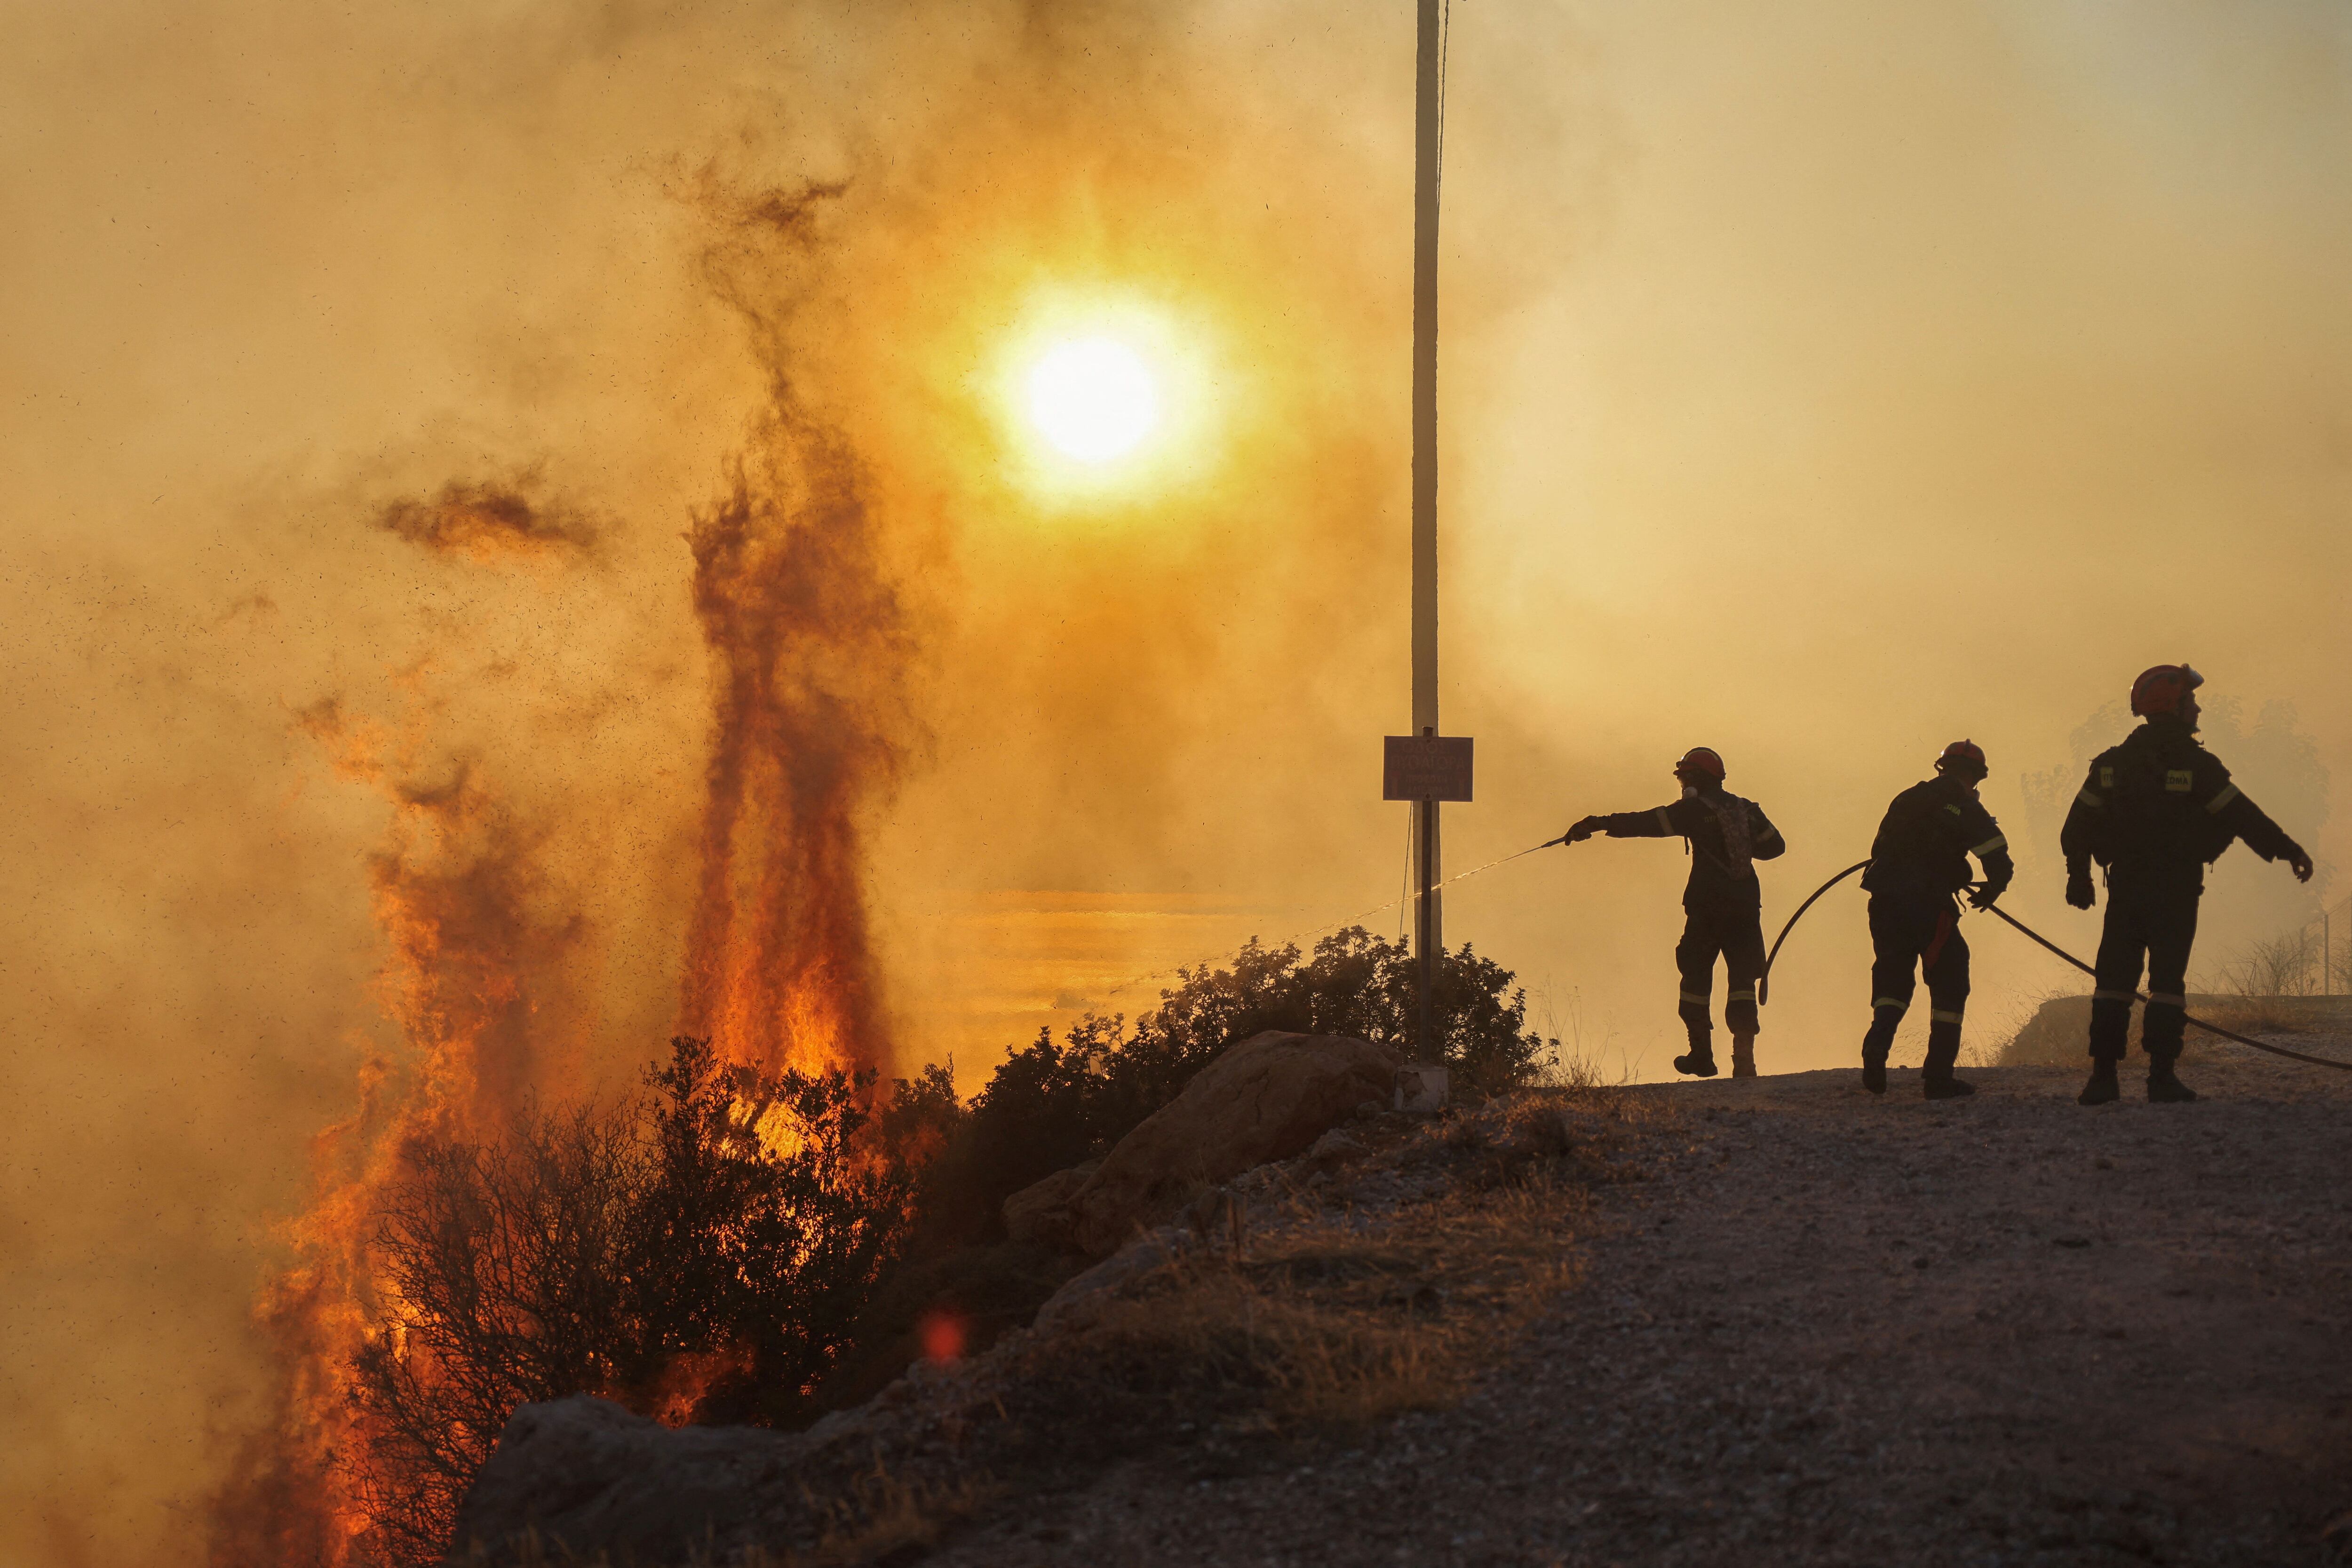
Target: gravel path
(1837, 1330)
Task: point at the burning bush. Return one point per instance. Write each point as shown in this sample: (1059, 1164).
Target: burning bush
(704, 1252)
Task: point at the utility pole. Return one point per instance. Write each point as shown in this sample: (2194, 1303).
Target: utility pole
(1425, 767)
(1428, 133)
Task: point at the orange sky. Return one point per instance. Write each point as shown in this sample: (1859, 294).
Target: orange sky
(1820, 383)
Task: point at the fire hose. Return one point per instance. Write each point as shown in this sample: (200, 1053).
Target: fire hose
(1764, 981)
(1763, 984)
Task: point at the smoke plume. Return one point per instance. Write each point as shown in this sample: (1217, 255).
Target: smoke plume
(487, 521)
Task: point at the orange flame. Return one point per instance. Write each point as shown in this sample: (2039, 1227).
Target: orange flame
(780, 969)
(808, 644)
(450, 896)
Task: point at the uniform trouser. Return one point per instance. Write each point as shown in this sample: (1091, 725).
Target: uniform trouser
(1737, 936)
(1921, 931)
(2156, 925)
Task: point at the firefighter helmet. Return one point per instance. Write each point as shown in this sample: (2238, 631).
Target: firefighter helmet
(1965, 756)
(1699, 762)
(2160, 689)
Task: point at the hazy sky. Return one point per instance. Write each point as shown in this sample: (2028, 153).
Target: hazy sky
(1821, 382)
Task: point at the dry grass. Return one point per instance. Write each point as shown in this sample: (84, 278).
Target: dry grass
(1332, 1320)
(1326, 1321)
(880, 1516)
(2255, 1015)
(1577, 1050)
(1327, 1328)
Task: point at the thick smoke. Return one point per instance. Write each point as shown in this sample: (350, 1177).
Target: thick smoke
(808, 656)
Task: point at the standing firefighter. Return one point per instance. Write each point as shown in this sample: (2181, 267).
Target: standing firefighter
(1918, 863)
(2153, 812)
(1722, 835)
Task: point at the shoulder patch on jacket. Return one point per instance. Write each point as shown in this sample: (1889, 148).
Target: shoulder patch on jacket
(2106, 777)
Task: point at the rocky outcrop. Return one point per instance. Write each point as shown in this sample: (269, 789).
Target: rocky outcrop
(1040, 1213)
(586, 1476)
(1265, 1099)
(2057, 1033)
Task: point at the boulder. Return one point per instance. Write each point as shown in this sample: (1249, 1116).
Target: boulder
(1265, 1099)
(590, 1478)
(1080, 1301)
(1040, 1212)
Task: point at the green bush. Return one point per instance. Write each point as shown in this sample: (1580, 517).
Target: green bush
(1053, 1104)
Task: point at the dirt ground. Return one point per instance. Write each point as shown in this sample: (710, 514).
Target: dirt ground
(1832, 1329)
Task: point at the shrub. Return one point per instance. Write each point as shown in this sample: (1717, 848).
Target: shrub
(505, 1268)
(1053, 1104)
(706, 1252)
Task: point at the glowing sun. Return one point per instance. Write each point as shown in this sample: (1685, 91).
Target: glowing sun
(1093, 398)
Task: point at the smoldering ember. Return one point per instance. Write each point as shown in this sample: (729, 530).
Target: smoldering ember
(856, 785)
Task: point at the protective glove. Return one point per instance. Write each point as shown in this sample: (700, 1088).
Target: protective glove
(2299, 861)
(2079, 892)
(1585, 828)
(1981, 895)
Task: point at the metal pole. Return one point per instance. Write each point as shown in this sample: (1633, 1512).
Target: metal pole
(1426, 128)
(1425, 1043)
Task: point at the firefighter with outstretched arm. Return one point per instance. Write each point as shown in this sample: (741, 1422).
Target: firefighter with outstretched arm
(2154, 813)
(1918, 865)
(1722, 835)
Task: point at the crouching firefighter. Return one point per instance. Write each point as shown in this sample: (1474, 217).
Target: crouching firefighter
(1919, 864)
(2154, 813)
(1722, 835)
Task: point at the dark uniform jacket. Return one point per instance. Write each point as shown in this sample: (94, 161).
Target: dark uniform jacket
(1725, 835)
(2157, 809)
(1926, 837)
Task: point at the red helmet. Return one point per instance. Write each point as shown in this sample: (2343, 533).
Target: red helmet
(1700, 761)
(2160, 689)
(1964, 755)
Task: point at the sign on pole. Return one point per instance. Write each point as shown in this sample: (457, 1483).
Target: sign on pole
(1426, 768)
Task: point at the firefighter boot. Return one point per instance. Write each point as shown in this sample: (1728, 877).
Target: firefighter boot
(1700, 1062)
(1875, 1045)
(1743, 1054)
(2163, 1088)
(1943, 1049)
(2110, 1028)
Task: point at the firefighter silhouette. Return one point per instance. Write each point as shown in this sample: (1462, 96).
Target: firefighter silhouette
(1725, 836)
(1919, 864)
(2154, 813)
